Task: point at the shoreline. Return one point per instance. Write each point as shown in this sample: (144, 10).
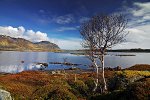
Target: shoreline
(77, 51)
(136, 67)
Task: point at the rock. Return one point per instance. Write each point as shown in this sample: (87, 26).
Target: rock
(22, 61)
(5, 95)
(44, 64)
(118, 68)
(53, 72)
(58, 72)
(135, 78)
(73, 68)
(65, 63)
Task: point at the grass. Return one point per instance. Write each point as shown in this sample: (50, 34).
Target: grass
(41, 85)
(133, 73)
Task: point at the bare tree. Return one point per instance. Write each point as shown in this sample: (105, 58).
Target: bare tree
(100, 33)
(89, 43)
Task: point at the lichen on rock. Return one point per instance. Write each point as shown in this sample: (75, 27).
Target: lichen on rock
(5, 95)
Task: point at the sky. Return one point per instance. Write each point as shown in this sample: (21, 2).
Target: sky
(58, 21)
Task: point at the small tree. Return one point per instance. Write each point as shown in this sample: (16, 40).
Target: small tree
(100, 33)
(89, 42)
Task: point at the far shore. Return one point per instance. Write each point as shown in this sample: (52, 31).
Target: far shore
(82, 51)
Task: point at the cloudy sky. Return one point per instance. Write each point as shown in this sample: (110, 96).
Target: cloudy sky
(58, 20)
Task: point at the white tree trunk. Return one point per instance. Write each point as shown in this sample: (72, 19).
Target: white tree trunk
(103, 73)
(75, 77)
(96, 82)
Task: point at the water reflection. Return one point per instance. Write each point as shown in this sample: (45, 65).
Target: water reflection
(18, 68)
(13, 62)
(11, 68)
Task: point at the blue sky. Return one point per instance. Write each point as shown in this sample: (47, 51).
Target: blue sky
(58, 20)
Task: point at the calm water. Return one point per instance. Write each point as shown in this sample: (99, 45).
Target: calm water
(10, 61)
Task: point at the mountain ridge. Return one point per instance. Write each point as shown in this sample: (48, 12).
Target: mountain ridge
(20, 44)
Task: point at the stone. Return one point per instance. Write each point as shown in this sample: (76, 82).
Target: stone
(58, 72)
(118, 68)
(5, 95)
(53, 72)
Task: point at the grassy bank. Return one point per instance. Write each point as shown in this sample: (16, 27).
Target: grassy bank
(43, 85)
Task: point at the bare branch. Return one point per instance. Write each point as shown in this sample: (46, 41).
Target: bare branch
(102, 32)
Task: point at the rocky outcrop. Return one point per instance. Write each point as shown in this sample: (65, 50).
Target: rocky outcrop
(5, 95)
(20, 44)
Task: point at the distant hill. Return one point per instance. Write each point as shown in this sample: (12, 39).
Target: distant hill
(47, 45)
(130, 50)
(20, 44)
(81, 51)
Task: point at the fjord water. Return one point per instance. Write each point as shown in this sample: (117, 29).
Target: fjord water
(14, 61)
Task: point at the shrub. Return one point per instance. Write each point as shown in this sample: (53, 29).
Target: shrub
(115, 95)
(61, 94)
(90, 83)
(79, 87)
(43, 91)
(139, 90)
(118, 82)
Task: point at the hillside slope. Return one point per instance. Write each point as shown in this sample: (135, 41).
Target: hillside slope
(20, 44)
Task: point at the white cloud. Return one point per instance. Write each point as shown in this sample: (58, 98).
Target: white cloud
(138, 37)
(66, 19)
(20, 32)
(66, 29)
(143, 9)
(83, 19)
(10, 31)
(70, 43)
(139, 27)
(41, 11)
(36, 36)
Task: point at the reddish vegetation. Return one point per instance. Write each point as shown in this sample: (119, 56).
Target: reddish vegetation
(26, 84)
(31, 85)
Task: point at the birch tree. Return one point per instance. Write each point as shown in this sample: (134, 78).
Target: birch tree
(89, 42)
(100, 33)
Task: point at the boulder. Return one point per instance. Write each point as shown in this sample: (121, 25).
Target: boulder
(5, 95)
(118, 68)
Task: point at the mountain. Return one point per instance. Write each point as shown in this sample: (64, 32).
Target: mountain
(47, 45)
(20, 44)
